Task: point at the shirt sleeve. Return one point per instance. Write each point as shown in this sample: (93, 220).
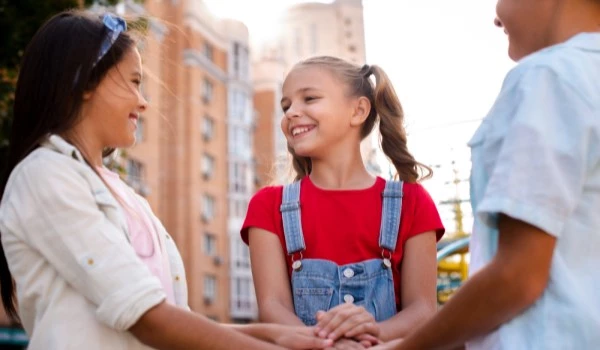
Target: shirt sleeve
(425, 216)
(541, 164)
(261, 210)
(56, 214)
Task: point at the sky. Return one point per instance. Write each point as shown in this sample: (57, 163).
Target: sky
(446, 60)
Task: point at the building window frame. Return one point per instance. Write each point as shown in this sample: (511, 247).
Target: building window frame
(208, 207)
(208, 128)
(209, 245)
(208, 166)
(207, 90)
(210, 288)
(208, 51)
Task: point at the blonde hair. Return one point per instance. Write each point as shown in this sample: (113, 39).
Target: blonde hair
(385, 109)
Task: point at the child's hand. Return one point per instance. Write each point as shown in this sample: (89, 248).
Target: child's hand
(347, 344)
(367, 340)
(296, 337)
(391, 345)
(346, 320)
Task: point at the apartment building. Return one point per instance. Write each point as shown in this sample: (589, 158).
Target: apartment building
(181, 162)
(193, 161)
(240, 126)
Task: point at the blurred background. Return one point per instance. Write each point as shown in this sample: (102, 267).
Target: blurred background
(211, 138)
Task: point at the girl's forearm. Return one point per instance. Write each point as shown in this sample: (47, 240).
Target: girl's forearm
(275, 312)
(168, 327)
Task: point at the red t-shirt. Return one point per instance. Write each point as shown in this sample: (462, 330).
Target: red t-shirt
(343, 225)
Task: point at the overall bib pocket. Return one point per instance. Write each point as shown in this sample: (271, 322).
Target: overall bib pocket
(307, 301)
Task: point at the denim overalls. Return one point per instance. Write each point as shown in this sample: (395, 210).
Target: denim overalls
(321, 284)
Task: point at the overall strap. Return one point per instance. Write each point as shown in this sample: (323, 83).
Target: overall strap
(292, 223)
(390, 215)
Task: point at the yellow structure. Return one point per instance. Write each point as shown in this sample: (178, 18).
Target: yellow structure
(453, 258)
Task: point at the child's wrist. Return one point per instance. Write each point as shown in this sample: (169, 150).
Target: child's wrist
(384, 334)
(260, 331)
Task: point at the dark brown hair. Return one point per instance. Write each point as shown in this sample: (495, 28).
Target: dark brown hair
(58, 67)
(385, 109)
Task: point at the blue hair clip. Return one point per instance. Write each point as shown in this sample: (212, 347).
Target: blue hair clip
(115, 26)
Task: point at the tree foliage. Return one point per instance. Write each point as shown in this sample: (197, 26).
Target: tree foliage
(19, 20)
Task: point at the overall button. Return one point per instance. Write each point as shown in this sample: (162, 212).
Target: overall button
(348, 298)
(348, 273)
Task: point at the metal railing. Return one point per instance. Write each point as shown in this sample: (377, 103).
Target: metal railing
(451, 280)
(453, 247)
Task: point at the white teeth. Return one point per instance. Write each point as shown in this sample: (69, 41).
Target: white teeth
(299, 130)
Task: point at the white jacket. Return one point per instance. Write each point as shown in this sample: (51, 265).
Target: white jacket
(79, 282)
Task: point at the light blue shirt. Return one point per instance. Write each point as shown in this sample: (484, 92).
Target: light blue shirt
(536, 158)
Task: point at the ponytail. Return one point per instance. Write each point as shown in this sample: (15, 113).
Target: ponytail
(393, 135)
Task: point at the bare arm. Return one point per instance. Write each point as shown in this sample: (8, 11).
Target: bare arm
(293, 337)
(418, 287)
(271, 280)
(169, 327)
(509, 284)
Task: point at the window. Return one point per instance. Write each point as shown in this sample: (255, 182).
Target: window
(210, 288)
(352, 48)
(236, 59)
(238, 207)
(242, 207)
(240, 141)
(139, 132)
(208, 51)
(242, 257)
(348, 21)
(238, 103)
(208, 128)
(243, 297)
(240, 61)
(208, 166)
(208, 207)
(134, 171)
(238, 177)
(210, 244)
(207, 90)
(135, 176)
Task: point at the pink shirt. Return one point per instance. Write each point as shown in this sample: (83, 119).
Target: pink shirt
(144, 238)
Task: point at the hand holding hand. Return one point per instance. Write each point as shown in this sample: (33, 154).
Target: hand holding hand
(296, 337)
(346, 344)
(346, 321)
(391, 345)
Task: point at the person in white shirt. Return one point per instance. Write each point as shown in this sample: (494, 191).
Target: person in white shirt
(93, 268)
(535, 192)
